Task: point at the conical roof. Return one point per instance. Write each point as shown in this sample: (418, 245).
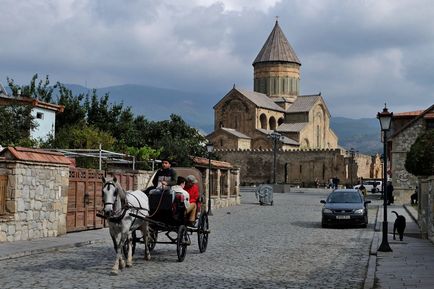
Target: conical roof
(277, 48)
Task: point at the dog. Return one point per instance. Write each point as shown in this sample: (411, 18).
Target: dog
(399, 226)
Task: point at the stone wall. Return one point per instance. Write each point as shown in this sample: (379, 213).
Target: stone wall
(36, 200)
(403, 182)
(297, 167)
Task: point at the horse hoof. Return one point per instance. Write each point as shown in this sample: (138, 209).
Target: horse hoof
(114, 272)
(147, 257)
(129, 264)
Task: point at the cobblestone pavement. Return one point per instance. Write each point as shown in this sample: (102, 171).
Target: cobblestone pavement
(251, 246)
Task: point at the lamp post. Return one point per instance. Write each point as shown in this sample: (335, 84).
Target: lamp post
(385, 118)
(275, 136)
(209, 149)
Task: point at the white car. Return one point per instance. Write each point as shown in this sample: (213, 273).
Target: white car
(371, 186)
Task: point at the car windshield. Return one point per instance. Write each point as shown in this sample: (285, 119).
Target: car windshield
(344, 197)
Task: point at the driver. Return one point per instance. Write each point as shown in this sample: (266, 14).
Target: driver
(166, 176)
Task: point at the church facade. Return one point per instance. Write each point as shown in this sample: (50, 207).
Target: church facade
(245, 119)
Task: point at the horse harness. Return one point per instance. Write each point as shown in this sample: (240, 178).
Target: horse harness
(125, 206)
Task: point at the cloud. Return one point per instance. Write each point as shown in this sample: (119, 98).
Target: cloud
(354, 52)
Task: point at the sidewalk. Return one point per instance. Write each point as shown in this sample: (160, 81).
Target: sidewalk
(24, 248)
(411, 263)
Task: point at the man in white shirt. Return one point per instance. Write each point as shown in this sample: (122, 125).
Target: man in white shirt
(179, 189)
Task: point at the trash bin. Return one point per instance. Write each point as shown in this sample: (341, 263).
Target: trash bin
(264, 194)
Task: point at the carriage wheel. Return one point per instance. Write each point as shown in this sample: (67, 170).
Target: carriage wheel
(181, 243)
(153, 234)
(202, 232)
(133, 245)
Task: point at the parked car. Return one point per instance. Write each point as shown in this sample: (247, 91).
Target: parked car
(345, 207)
(371, 186)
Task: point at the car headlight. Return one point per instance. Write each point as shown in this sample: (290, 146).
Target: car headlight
(359, 211)
(327, 211)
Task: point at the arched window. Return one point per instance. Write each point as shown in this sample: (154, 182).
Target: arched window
(280, 121)
(272, 123)
(263, 120)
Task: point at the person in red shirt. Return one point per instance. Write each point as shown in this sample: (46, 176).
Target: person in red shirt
(193, 190)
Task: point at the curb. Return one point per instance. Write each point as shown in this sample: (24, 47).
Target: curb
(372, 262)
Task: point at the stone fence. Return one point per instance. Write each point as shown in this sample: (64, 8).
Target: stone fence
(426, 207)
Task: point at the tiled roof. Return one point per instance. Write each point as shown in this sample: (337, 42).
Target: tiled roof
(214, 163)
(292, 127)
(235, 132)
(427, 114)
(34, 155)
(303, 103)
(284, 139)
(408, 113)
(260, 99)
(277, 48)
(6, 100)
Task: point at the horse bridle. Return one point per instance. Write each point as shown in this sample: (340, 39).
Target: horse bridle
(115, 193)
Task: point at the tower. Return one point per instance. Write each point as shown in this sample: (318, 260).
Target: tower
(277, 68)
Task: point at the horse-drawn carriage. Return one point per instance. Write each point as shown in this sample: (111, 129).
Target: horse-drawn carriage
(135, 217)
(167, 215)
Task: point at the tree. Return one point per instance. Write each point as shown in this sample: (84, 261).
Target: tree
(16, 122)
(74, 112)
(420, 158)
(42, 91)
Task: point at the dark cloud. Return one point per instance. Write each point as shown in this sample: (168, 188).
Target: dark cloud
(355, 52)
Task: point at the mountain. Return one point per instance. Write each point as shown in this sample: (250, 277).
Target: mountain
(197, 110)
(361, 134)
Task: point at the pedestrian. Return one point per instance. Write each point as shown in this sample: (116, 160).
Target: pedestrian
(389, 192)
(413, 197)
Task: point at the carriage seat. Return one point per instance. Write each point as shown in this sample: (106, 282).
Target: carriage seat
(166, 206)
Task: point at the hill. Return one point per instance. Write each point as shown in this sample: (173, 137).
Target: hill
(197, 110)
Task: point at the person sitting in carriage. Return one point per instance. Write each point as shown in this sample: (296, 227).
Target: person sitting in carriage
(166, 176)
(193, 190)
(179, 189)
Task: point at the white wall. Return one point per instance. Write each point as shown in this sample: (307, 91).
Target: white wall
(46, 125)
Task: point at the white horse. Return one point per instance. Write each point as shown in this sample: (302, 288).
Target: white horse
(118, 205)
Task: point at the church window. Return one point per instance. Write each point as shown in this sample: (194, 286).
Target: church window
(280, 121)
(263, 120)
(272, 123)
(221, 142)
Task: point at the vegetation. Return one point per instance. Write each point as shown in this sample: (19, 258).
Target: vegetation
(89, 120)
(420, 158)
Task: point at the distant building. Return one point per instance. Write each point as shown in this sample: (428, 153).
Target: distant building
(244, 119)
(43, 113)
(307, 152)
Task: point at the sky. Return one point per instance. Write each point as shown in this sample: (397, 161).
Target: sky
(359, 54)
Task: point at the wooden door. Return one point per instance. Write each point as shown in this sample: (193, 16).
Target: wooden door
(84, 200)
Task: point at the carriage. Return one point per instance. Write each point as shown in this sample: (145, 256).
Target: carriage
(166, 216)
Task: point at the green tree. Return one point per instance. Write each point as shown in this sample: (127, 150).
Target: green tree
(420, 158)
(177, 139)
(16, 122)
(39, 90)
(74, 112)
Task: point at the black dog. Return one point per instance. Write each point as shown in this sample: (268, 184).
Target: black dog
(399, 226)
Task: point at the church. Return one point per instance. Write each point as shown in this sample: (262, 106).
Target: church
(245, 119)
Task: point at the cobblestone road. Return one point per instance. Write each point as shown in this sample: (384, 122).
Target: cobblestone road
(251, 246)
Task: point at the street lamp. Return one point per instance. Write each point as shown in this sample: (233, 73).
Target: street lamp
(385, 118)
(209, 149)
